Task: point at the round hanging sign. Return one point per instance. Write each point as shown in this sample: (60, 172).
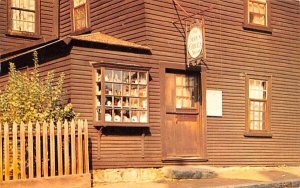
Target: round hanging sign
(195, 42)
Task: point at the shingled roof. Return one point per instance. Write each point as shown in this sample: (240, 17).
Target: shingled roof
(96, 37)
(99, 37)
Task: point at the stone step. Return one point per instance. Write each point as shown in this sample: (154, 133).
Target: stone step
(188, 172)
(152, 174)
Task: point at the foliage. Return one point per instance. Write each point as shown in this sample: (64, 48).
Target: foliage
(29, 98)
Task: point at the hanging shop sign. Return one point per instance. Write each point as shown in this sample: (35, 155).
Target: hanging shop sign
(195, 43)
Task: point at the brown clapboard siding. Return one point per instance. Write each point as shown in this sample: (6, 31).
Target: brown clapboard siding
(232, 52)
(121, 19)
(48, 25)
(65, 18)
(116, 150)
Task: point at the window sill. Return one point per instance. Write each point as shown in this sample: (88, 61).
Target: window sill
(115, 124)
(24, 34)
(258, 28)
(258, 134)
(80, 32)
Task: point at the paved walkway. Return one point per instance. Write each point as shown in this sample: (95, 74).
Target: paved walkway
(249, 177)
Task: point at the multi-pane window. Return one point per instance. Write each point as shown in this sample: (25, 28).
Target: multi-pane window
(23, 16)
(186, 90)
(121, 96)
(257, 12)
(80, 15)
(258, 105)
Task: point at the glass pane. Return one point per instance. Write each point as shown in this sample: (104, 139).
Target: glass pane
(126, 116)
(117, 76)
(125, 77)
(143, 104)
(108, 75)
(134, 116)
(143, 91)
(126, 89)
(79, 2)
(98, 75)
(185, 91)
(179, 80)
(98, 89)
(143, 117)
(134, 77)
(23, 21)
(98, 101)
(178, 102)
(108, 115)
(117, 115)
(108, 101)
(108, 89)
(117, 102)
(257, 89)
(125, 102)
(134, 91)
(98, 114)
(186, 102)
(117, 89)
(143, 78)
(179, 91)
(134, 103)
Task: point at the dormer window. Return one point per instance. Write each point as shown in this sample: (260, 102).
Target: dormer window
(80, 15)
(23, 17)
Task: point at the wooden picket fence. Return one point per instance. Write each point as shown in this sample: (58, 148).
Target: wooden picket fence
(32, 151)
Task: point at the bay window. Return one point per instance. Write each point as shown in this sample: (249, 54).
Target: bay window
(121, 96)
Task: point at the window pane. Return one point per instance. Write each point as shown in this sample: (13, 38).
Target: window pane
(23, 21)
(186, 87)
(80, 17)
(79, 2)
(257, 12)
(257, 89)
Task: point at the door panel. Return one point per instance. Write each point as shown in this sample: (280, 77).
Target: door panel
(182, 126)
(187, 135)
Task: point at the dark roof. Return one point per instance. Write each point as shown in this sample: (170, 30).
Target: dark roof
(96, 37)
(99, 37)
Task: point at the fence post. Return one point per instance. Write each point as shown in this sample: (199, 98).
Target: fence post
(45, 150)
(86, 147)
(59, 149)
(1, 151)
(6, 151)
(66, 147)
(73, 151)
(38, 149)
(80, 157)
(15, 151)
(22, 145)
(30, 150)
(52, 149)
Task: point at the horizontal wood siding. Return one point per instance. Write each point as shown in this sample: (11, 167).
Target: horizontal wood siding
(122, 19)
(116, 150)
(64, 18)
(47, 25)
(232, 52)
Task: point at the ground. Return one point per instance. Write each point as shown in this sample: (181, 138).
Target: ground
(226, 177)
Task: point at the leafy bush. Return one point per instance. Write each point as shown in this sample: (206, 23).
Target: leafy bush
(29, 98)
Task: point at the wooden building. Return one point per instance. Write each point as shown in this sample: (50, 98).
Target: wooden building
(128, 72)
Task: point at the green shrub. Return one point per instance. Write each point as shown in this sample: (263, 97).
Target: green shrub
(29, 98)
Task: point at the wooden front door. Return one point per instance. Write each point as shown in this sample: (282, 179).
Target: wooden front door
(182, 131)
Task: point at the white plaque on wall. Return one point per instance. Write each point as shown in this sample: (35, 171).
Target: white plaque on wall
(214, 103)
